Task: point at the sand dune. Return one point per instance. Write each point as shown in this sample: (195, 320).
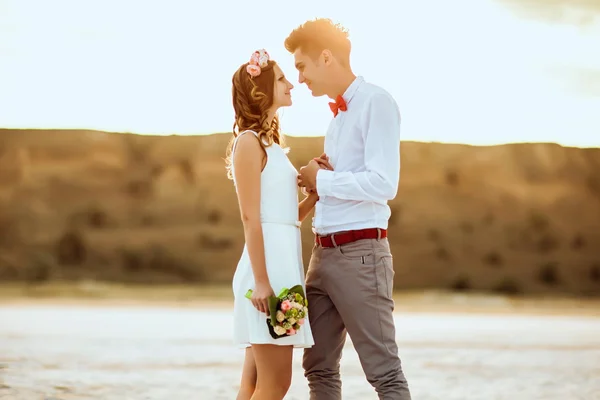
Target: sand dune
(521, 218)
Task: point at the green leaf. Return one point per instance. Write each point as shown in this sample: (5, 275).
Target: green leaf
(273, 306)
(297, 289)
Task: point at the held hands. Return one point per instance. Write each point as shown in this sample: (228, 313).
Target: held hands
(307, 178)
(323, 161)
(309, 192)
(260, 296)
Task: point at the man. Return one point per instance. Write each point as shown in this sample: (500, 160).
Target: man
(350, 277)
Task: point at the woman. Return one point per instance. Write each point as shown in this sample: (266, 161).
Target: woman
(266, 186)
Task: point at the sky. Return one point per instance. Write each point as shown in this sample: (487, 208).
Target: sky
(465, 71)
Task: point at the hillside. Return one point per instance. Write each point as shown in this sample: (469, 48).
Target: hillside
(521, 218)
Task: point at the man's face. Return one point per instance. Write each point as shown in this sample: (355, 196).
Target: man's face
(311, 72)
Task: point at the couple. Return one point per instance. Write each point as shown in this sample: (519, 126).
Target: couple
(350, 275)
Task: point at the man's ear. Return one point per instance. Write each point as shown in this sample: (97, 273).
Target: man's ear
(327, 57)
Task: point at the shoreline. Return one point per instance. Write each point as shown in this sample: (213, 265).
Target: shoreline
(100, 294)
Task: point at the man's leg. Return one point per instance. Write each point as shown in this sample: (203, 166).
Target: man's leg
(321, 363)
(362, 294)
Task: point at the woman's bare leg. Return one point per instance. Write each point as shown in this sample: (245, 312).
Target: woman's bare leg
(248, 383)
(274, 371)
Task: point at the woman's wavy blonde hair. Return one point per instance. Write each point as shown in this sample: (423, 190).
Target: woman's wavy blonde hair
(252, 98)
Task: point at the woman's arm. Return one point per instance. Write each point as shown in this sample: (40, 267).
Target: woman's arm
(307, 205)
(312, 197)
(248, 163)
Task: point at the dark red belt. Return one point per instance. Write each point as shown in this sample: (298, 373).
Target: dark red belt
(338, 239)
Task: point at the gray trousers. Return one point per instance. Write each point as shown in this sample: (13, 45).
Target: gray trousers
(349, 290)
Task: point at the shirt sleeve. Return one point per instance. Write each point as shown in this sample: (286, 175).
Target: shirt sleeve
(379, 182)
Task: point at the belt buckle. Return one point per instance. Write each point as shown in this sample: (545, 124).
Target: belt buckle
(331, 236)
(333, 240)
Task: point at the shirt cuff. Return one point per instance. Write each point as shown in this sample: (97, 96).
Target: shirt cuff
(324, 182)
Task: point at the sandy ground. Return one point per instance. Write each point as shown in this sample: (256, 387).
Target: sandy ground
(116, 349)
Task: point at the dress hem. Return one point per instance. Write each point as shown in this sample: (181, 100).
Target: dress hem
(245, 345)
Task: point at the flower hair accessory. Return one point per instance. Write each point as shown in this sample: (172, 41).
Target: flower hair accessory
(260, 59)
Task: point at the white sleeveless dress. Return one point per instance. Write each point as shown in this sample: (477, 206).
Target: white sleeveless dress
(283, 253)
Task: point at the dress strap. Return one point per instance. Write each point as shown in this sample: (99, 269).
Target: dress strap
(233, 149)
(239, 136)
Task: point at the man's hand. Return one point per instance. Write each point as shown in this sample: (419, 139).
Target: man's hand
(309, 192)
(307, 177)
(305, 191)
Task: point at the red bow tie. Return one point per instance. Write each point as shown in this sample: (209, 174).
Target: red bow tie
(339, 105)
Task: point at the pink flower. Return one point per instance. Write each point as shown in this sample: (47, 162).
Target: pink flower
(301, 321)
(253, 70)
(285, 305)
(259, 59)
(291, 331)
(263, 60)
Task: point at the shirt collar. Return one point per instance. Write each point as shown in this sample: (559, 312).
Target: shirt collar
(351, 91)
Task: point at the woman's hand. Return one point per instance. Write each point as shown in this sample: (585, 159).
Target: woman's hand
(309, 192)
(260, 296)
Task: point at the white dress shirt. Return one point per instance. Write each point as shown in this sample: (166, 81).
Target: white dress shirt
(363, 145)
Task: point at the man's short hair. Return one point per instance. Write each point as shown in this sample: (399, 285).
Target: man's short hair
(314, 36)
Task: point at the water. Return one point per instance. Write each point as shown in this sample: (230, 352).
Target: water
(115, 352)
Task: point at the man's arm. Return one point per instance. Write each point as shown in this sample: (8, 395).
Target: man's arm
(379, 183)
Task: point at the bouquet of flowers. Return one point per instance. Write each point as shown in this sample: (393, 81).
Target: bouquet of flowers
(286, 311)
